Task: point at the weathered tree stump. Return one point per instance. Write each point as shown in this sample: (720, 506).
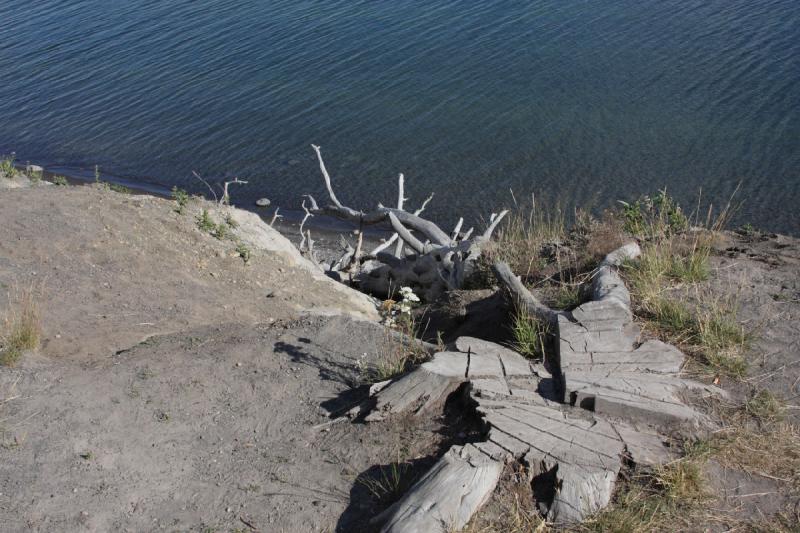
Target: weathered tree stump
(603, 398)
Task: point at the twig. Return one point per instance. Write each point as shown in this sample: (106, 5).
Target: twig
(248, 524)
(302, 223)
(210, 188)
(398, 249)
(454, 234)
(494, 221)
(326, 176)
(275, 216)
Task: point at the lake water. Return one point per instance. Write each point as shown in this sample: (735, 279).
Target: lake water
(582, 101)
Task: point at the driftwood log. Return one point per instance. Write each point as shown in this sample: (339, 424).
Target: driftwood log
(425, 257)
(601, 399)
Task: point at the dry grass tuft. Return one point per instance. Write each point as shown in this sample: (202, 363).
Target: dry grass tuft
(703, 326)
(765, 407)
(755, 439)
(21, 327)
(772, 452)
(520, 239)
(390, 482)
(660, 500)
(398, 353)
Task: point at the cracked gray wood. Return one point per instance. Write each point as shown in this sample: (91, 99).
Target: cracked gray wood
(602, 397)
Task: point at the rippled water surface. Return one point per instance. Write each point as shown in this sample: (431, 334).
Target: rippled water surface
(587, 101)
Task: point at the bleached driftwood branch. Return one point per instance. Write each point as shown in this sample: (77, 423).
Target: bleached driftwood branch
(440, 261)
(226, 199)
(522, 295)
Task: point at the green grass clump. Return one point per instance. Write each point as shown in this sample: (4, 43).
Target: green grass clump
(667, 262)
(390, 483)
(119, 188)
(520, 238)
(708, 331)
(60, 181)
(220, 231)
(655, 501)
(765, 406)
(654, 216)
(7, 168)
(205, 223)
(671, 316)
(244, 252)
(181, 198)
(530, 334)
(704, 327)
(229, 220)
(567, 296)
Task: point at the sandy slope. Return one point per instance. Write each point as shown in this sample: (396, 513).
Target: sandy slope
(177, 387)
(115, 269)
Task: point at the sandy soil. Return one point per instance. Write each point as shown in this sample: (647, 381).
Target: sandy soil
(762, 272)
(178, 388)
(115, 269)
(209, 429)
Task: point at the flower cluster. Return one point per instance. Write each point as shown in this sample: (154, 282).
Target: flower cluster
(394, 311)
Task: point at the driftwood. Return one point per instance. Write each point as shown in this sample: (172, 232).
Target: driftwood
(433, 505)
(425, 257)
(601, 399)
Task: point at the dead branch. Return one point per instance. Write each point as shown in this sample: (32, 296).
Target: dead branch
(522, 295)
(439, 262)
(493, 222)
(380, 214)
(394, 236)
(275, 216)
(225, 200)
(302, 234)
(210, 188)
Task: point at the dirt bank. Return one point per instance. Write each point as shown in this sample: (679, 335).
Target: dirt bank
(178, 386)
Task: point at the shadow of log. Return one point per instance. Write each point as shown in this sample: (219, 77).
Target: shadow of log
(458, 424)
(483, 314)
(328, 369)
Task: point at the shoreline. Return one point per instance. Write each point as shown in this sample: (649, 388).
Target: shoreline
(330, 228)
(326, 230)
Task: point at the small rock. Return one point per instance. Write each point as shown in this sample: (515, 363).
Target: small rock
(263, 202)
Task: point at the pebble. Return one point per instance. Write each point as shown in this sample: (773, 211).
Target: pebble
(263, 202)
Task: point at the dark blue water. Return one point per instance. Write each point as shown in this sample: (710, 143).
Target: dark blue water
(588, 101)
